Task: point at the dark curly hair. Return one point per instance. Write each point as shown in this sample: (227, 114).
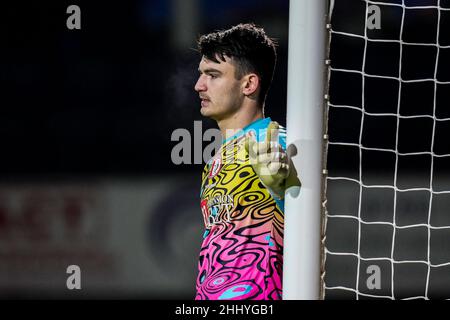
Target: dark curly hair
(249, 48)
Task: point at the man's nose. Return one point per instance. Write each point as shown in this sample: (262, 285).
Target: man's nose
(200, 85)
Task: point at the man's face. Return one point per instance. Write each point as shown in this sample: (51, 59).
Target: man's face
(219, 90)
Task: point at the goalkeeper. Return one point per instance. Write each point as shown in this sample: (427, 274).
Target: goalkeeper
(243, 185)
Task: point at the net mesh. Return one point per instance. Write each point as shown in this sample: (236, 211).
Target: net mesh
(387, 204)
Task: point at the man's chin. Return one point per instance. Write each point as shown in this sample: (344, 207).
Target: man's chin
(206, 112)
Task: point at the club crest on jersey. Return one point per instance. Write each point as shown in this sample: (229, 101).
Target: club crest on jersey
(215, 167)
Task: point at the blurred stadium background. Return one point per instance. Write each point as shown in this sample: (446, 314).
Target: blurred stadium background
(85, 129)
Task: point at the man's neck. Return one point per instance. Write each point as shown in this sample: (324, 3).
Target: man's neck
(239, 120)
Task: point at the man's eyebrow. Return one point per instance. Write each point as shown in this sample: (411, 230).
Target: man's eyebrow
(209, 70)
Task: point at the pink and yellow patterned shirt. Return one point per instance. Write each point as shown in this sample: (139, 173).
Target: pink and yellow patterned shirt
(241, 256)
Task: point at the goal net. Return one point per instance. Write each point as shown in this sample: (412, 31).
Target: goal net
(387, 207)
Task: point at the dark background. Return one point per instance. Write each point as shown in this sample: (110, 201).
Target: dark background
(105, 99)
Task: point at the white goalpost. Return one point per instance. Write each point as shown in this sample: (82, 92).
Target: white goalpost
(305, 101)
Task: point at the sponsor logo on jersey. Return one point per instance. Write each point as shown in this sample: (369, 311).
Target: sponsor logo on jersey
(217, 210)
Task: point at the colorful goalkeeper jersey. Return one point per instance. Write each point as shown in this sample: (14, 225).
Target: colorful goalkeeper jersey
(242, 251)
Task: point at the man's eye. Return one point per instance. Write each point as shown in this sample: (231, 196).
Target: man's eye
(213, 76)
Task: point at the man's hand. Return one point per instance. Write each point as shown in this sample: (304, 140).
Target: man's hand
(269, 161)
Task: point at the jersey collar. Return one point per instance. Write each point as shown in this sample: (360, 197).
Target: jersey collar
(255, 125)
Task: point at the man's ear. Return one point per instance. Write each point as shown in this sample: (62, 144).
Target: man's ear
(250, 84)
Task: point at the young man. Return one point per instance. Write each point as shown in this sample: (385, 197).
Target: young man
(242, 191)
